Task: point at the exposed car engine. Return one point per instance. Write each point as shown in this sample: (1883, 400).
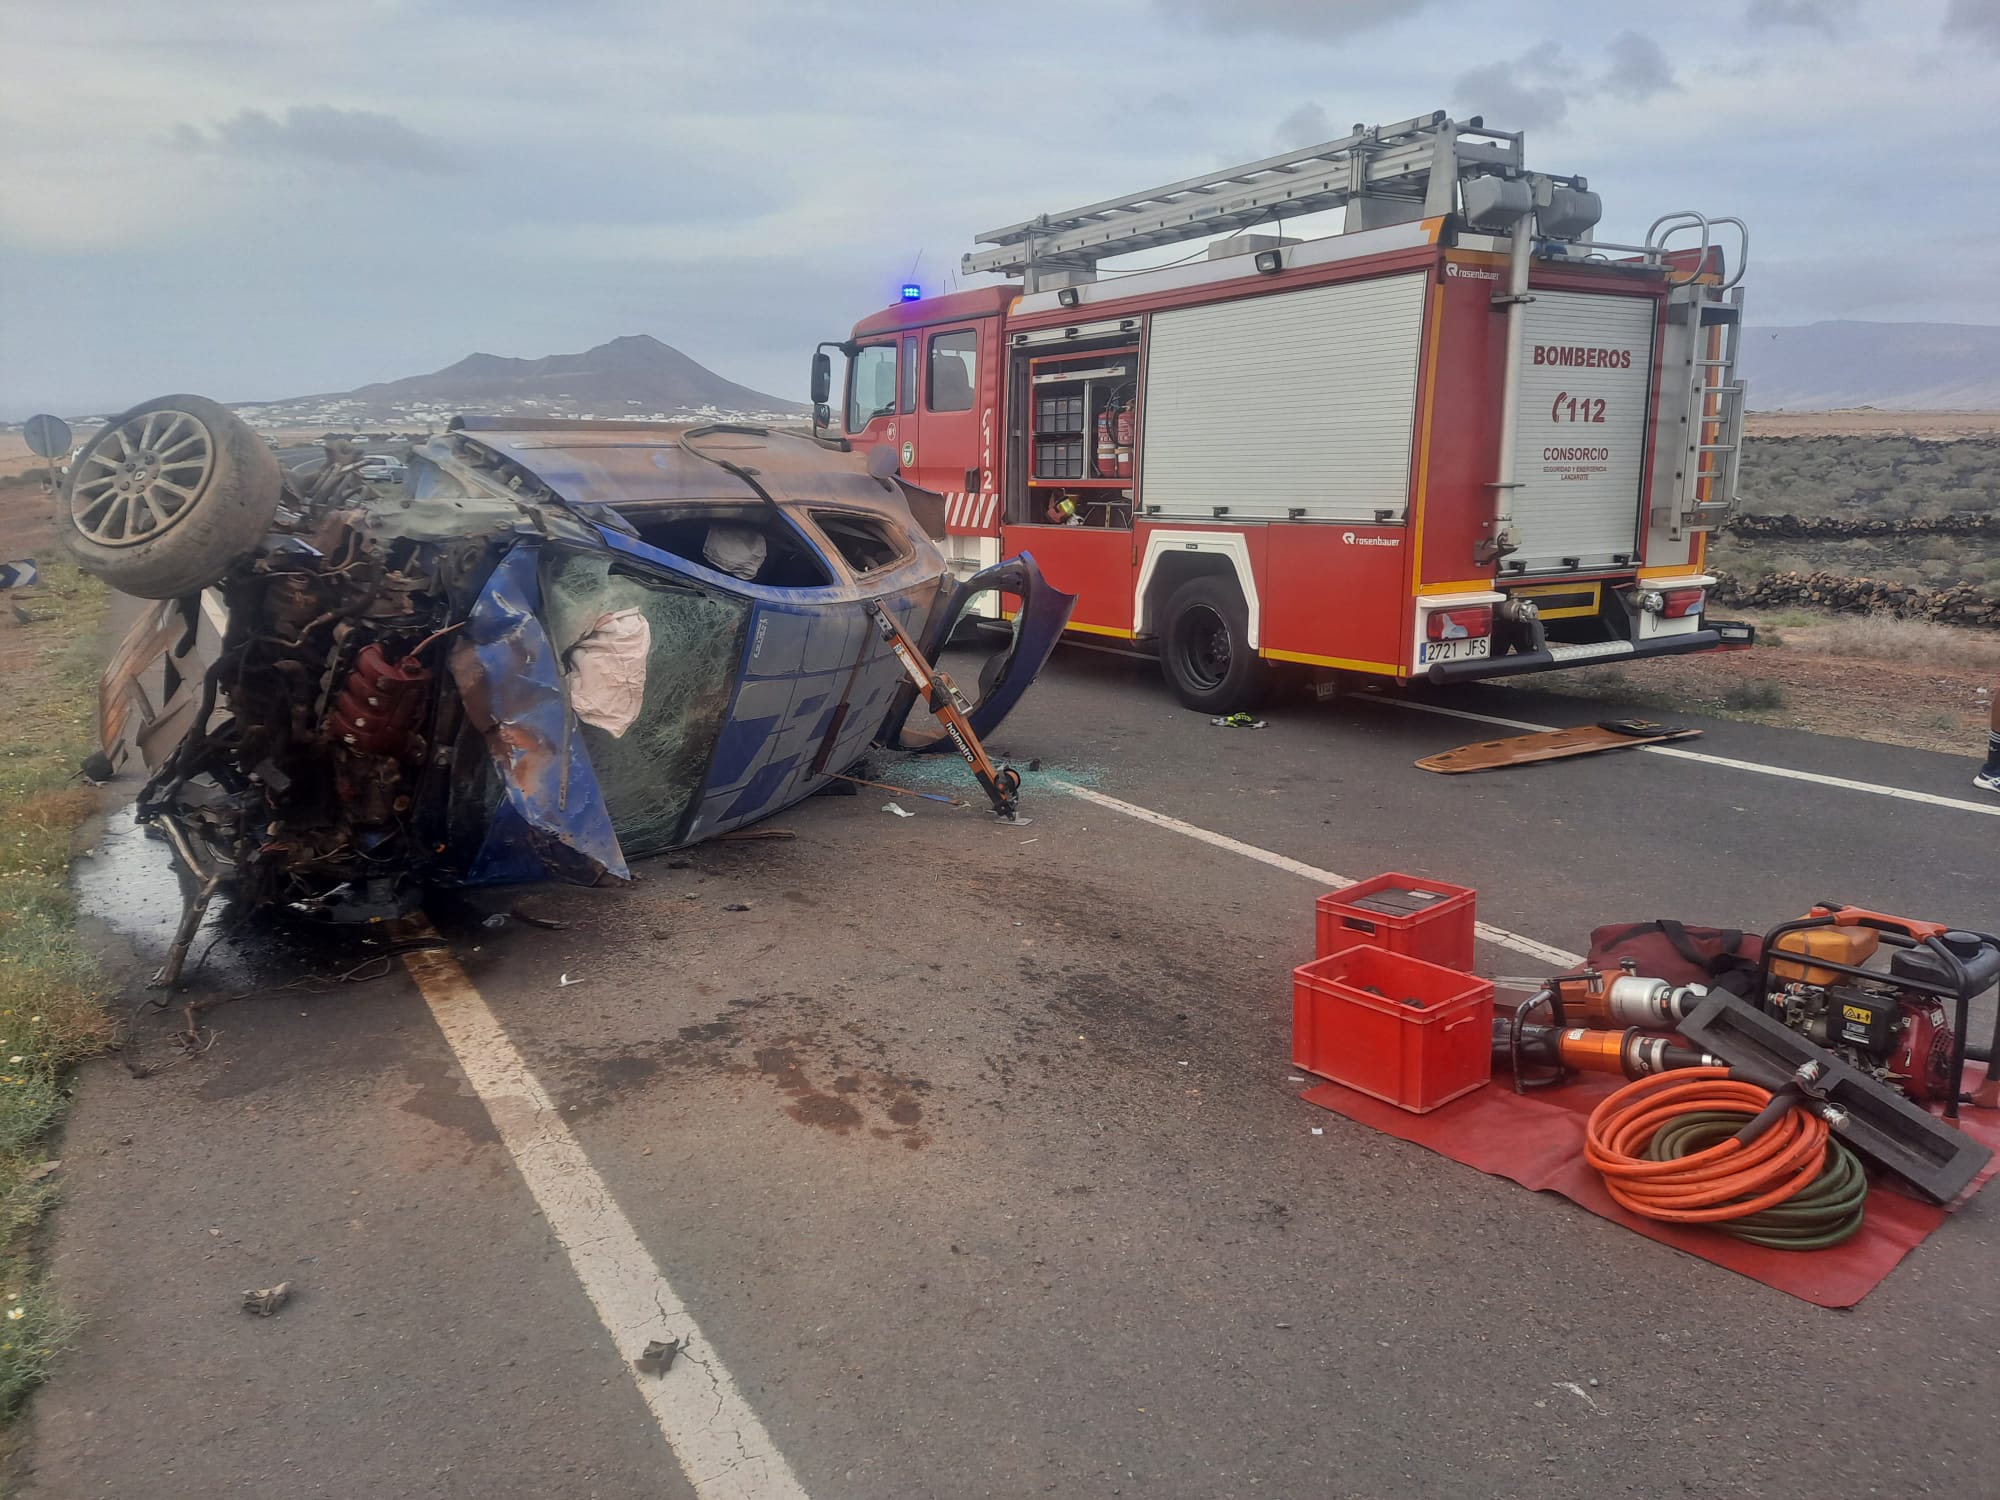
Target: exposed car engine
(327, 677)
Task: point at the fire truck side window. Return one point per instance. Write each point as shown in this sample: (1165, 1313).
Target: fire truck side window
(871, 385)
(909, 373)
(954, 358)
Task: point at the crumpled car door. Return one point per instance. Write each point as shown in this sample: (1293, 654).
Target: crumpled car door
(1038, 625)
(551, 818)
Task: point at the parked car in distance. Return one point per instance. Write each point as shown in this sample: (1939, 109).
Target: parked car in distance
(384, 468)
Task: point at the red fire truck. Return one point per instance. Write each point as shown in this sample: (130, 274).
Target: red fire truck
(1461, 438)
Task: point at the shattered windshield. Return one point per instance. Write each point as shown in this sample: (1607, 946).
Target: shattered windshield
(650, 667)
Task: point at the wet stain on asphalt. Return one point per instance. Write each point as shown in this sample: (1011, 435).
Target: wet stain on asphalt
(622, 1070)
(843, 1109)
(128, 881)
(826, 1111)
(792, 1064)
(711, 1031)
(442, 1099)
(781, 1066)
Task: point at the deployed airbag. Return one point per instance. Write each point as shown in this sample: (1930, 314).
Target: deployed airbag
(607, 671)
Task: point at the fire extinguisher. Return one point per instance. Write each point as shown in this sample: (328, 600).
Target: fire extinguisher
(1122, 428)
(1107, 441)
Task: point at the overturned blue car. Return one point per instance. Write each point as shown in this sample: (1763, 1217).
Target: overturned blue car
(558, 647)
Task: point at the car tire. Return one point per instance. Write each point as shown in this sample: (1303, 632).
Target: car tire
(1205, 650)
(168, 495)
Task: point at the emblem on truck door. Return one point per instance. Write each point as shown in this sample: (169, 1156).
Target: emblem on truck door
(909, 455)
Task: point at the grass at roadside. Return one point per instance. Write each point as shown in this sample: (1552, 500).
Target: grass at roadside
(1886, 638)
(51, 1012)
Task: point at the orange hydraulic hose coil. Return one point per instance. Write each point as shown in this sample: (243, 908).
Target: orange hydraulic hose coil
(1726, 1181)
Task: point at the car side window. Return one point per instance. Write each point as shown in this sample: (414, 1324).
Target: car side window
(910, 373)
(871, 385)
(953, 365)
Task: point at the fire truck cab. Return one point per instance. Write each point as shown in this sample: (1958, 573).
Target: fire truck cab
(1461, 438)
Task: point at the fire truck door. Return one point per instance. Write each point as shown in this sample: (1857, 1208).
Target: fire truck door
(942, 438)
(1088, 561)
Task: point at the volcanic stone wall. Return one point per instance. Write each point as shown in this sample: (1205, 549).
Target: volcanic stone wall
(1836, 528)
(1960, 605)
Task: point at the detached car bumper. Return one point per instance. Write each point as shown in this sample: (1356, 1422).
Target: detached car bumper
(1718, 635)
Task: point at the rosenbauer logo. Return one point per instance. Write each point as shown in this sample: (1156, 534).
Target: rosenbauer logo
(1583, 358)
(1353, 539)
(1452, 268)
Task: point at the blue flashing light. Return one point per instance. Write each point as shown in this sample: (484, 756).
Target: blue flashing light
(911, 291)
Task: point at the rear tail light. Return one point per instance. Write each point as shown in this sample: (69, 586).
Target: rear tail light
(1678, 604)
(1457, 624)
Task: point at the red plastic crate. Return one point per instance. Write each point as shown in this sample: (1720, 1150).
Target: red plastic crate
(1415, 1056)
(1439, 933)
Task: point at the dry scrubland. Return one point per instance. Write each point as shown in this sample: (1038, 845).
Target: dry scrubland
(1886, 478)
(1897, 682)
(1904, 682)
(1869, 421)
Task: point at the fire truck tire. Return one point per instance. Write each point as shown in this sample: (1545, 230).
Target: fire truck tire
(1205, 648)
(168, 495)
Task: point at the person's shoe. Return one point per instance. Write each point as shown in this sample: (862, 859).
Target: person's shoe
(1987, 781)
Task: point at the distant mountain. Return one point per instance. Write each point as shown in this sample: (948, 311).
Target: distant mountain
(1898, 366)
(634, 376)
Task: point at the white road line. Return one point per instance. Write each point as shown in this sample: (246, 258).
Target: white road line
(1560, 957)
(1900, 794)
(1458, 713)
(722, 1447)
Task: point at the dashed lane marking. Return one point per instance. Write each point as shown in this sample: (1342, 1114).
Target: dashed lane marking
(721, 1446)
(1500, 936)
(1900, 794)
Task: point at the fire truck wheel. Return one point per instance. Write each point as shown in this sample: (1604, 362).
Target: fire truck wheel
(1206, 652)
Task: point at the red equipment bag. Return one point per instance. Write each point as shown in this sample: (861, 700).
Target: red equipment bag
(1669, 950)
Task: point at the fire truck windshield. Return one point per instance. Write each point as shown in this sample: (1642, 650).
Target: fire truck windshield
(871, 385)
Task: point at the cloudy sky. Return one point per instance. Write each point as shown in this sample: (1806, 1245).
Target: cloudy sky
(256, 200)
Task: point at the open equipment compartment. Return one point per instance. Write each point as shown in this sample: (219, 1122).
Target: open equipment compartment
(1083, 411)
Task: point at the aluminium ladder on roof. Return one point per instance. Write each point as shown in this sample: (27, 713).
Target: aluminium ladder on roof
(1389, 173)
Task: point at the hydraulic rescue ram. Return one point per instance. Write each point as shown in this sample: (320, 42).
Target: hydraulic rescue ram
(941, 696)
(1933, 1157)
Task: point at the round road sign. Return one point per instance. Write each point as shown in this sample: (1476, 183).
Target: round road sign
(47, 436)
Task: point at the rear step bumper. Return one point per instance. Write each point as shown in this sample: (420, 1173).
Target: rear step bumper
(1719, 634)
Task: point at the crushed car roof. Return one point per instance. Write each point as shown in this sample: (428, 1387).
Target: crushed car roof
(595, 463)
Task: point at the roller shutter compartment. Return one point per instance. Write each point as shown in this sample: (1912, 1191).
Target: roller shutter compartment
(1299, 402)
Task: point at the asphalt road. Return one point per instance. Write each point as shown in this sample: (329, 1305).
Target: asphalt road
(975, 1153)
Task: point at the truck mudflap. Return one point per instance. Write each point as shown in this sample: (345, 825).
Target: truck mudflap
(1711, 638)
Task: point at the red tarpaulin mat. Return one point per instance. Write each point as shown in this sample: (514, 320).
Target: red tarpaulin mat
(1536, 1139)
